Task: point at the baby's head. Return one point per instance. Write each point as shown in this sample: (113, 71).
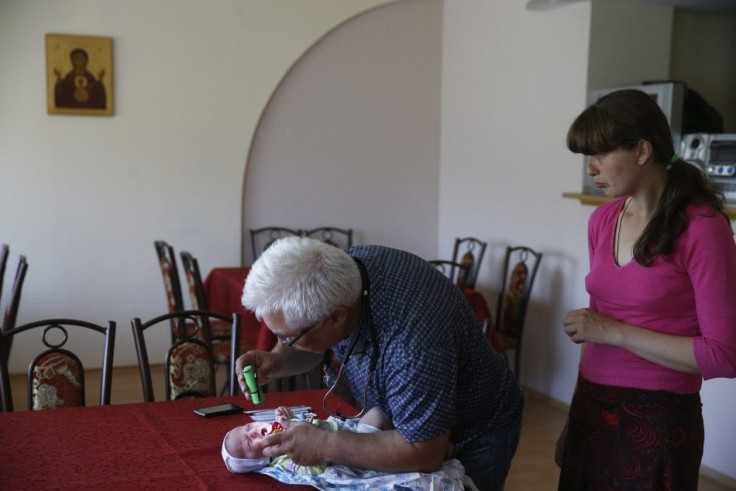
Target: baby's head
(242, 450)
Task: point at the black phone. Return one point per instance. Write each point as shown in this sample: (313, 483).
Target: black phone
(218, 410)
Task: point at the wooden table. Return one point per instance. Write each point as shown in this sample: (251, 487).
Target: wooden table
(154, 445)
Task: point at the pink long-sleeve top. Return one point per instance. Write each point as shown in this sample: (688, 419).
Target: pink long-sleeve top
(691, 292)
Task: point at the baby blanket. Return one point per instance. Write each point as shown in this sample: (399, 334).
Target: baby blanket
(450, 477)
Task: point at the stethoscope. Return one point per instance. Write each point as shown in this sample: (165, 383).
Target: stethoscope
(365, 317)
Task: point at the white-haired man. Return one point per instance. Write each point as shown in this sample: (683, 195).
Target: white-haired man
(408, 343)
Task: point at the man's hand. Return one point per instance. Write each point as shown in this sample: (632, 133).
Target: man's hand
(265, 364)
(302, 443)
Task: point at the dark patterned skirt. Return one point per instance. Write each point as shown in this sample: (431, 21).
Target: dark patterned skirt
(624, 439)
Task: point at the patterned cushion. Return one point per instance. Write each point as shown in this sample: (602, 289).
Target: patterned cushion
(166, 269)
(56, 382)
(190, 370)
(468, 260)
(517, 280)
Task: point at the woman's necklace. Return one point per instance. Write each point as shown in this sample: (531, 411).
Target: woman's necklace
(618, 226)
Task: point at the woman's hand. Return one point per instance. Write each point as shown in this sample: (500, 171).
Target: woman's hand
(587, 325)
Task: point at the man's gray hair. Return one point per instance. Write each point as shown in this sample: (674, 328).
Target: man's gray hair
(304, 279)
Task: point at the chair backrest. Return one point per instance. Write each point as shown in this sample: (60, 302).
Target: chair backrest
(172, 284)
(519, 270)
(456, 272)
(470, 251)
(262, 238)
(197, 297)
(4, 251)
(189, 361)
(338, 237)
(11, 311)
(56, 375)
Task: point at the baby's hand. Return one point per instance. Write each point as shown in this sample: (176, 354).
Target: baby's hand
(283, 414)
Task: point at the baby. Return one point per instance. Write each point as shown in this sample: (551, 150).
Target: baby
(242, 448)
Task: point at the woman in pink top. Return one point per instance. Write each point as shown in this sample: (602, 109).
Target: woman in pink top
(660, 320)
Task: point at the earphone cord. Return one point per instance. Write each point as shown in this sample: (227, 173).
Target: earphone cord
(365, 397)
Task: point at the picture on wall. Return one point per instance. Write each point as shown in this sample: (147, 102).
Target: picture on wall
(79, 75)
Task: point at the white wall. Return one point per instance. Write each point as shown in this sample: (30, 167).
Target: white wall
(351, 136)
(513, 81)
(85, 197)
(617, 57)
(703, 45)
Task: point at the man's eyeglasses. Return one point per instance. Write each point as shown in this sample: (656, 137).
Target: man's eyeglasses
(291, 340)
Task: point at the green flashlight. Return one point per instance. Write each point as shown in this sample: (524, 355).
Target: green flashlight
(254, 389)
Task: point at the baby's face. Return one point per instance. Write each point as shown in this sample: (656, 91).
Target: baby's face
(244, 442)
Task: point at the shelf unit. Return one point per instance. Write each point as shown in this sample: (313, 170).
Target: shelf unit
(595, 200)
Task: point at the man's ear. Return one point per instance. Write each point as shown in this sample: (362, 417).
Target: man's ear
(338, 315)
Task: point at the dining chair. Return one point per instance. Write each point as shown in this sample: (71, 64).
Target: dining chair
(262, 238)
(172, 284)
(338, 237)
(4, 251)
(456, 272)
(189, 361)
(470, 251)
(11, 310)
(56, 374)
(519, 270)
(219, 331)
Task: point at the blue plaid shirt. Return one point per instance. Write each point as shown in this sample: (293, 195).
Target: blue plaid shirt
(435, 371)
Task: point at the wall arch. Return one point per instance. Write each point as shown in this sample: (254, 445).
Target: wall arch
(350, 136)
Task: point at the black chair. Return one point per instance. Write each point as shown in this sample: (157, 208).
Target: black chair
(4, 251)
(189, 361)
(469, 251)
(172, 284)
(456, 272)
(338, 237)
(519, 270)
(56, 375)
(262, 238)
(11, 311)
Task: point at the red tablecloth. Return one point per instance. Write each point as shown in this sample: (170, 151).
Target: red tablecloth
(223, 288)
(154, 445)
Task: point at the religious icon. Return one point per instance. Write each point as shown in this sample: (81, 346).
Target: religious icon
(79, 74)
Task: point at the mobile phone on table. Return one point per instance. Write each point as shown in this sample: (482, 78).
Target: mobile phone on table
(218, 410)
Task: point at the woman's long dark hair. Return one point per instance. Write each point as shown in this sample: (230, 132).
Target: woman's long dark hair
(620, 120)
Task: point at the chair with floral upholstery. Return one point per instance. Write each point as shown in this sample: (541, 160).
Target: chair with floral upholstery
(11, 310)
(56, 375)
(219, 330)
(456, 272)
(189, 361)
(4, 251)
(172, 285)
(262, 238)
(519, 270)
(338, 237)
(469, 251)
